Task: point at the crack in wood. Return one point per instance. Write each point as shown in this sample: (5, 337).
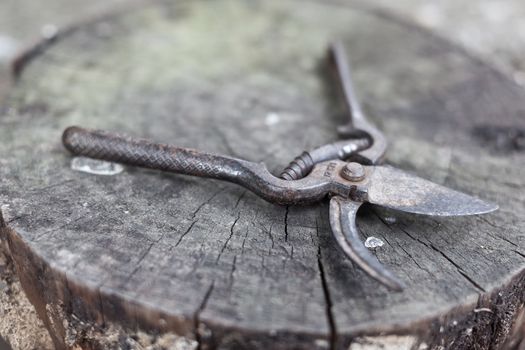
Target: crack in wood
(232, 271)
(185, 233)
(143, 257)
(459, 269)
(197, 314)
(286, 223)
(413, 259)
(101, 305)
(326, 293)
(240, 198)
(253, 224)
(519, 253)
(229, 238)
(408, 254)
(139, 262)
(196, 211)
(244, 240)
(386, 240)
(10, 221)
(269, 232)
(495, 235)
(398, 244)
(2, 220)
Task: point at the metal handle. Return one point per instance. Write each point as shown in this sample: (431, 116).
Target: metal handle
(358, 121)
(143, 153)
(302, 165)
(253, 176)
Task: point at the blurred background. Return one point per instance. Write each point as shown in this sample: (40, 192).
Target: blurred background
(493, 30)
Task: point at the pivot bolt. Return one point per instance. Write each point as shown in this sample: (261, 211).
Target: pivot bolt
(353, 172)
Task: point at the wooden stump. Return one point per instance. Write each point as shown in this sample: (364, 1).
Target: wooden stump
(206, 260)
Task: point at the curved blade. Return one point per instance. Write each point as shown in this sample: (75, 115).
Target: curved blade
(396, 189)
(344, 228)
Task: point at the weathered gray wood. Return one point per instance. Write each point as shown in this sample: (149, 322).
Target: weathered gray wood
(206, 259)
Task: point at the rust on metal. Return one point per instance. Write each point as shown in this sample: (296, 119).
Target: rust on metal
(353, 171)
(349, 171)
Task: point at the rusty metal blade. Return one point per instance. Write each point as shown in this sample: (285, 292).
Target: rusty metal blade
(396, 189)
(342, 220)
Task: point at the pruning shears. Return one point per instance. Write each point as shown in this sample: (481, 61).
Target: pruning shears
(348, 171)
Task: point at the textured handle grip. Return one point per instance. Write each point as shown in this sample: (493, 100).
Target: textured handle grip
(137, 152)
(253, 176)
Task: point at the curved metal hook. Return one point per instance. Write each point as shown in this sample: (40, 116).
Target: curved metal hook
(342, 220)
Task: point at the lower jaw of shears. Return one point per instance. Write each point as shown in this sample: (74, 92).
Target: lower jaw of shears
(343, 223)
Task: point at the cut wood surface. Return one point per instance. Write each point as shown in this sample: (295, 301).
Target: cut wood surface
(212, 262)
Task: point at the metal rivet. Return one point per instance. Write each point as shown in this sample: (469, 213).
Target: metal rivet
(353, 172)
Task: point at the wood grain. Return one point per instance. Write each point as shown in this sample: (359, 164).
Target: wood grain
(212, 262)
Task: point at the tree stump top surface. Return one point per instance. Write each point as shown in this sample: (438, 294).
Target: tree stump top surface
(247, 79)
